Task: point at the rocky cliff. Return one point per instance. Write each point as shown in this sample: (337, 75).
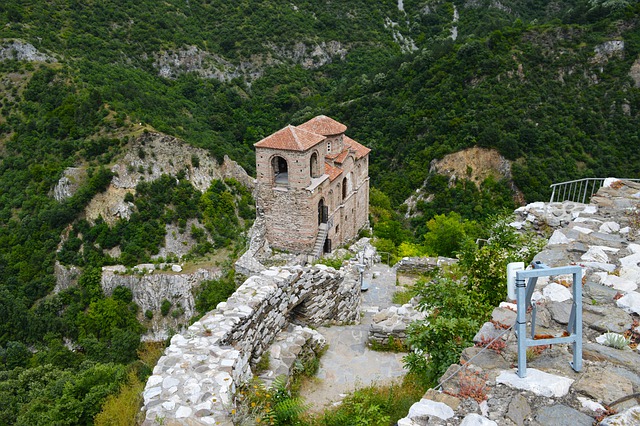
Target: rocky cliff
(148, 157)
(152, 285)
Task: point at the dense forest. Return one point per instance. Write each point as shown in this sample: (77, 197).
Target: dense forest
(548, 84)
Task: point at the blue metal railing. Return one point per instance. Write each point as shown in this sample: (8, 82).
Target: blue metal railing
(577, 191)
(525, 285)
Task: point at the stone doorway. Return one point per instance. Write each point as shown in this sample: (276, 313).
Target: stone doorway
(323, 212)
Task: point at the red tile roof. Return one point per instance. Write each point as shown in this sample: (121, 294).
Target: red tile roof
(332, 171)
(359, 149)
(323, 125)
(342, 156)
(291, 139)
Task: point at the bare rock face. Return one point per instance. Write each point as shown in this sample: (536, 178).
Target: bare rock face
(22, 51)
(172, 63)
(66, 276)
(475, 164)
(149, 157)
(151, 286)
(69, 183)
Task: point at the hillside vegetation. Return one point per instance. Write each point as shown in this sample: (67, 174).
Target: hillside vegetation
(553, 86)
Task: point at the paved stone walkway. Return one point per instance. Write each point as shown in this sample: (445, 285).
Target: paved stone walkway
(348, 363)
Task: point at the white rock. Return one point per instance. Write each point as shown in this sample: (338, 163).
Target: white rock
(183, 412)
(154, 380)
(558, 238)
(630, 261)
(590, 209)
(590, 404)
(511, 306)
(634, 248)
(622, 283)
(407, 422)
(582, 230)
(609, 267)
(169, 405)
(626, 418)
(538, 382)
(151, 393)
(595, 254)
(474, 419)
(170, 382)
(426, 407)
(556, 293)
(609, 227)
(484, 408)
(608, 181)
(630, 302)
(176, 268)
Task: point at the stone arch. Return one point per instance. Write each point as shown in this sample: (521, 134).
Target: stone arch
(314, 165)
(280, 169)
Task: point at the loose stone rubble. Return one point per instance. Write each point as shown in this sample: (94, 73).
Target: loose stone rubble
(390, 325)
(604, 239)
(194, 382)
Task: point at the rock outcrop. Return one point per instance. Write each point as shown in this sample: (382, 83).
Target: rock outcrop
(148, 157)
(151, 285)
(21, 51)
(475, 164)
(603, 239)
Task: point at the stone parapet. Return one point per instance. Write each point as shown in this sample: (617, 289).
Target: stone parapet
(194, 382)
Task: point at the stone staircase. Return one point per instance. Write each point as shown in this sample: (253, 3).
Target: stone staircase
(604, 239)
(323, 229)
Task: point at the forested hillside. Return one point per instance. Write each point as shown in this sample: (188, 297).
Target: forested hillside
(553, 86)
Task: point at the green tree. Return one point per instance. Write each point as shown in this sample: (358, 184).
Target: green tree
(449, 233)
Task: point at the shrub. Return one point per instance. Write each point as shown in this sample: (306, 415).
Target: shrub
(165, 307)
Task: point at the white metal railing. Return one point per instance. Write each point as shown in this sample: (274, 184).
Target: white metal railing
(577, 191)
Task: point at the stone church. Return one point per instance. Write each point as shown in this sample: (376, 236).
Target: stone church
(312, 186)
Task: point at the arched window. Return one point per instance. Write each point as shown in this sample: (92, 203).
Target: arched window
(314, 167)
(344, 188)
(280, 170)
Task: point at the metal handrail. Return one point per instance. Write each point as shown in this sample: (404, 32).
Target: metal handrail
(577, 191)
(525, 285)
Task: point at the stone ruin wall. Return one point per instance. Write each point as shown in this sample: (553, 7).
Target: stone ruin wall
(196, 378)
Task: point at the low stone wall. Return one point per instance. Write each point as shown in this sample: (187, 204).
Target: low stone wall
(392, 323)
(421, 265)
(194, 382)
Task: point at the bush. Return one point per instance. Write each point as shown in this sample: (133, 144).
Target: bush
(212, 292)
(165, 307)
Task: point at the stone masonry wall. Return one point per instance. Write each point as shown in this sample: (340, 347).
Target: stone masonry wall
(194, 382)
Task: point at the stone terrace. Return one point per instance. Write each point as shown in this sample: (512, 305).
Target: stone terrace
(604, 239)
(194, 382)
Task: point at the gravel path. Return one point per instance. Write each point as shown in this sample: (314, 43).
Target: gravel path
(348, 363)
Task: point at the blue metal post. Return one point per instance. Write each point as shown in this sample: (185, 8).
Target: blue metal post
(521, 325)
